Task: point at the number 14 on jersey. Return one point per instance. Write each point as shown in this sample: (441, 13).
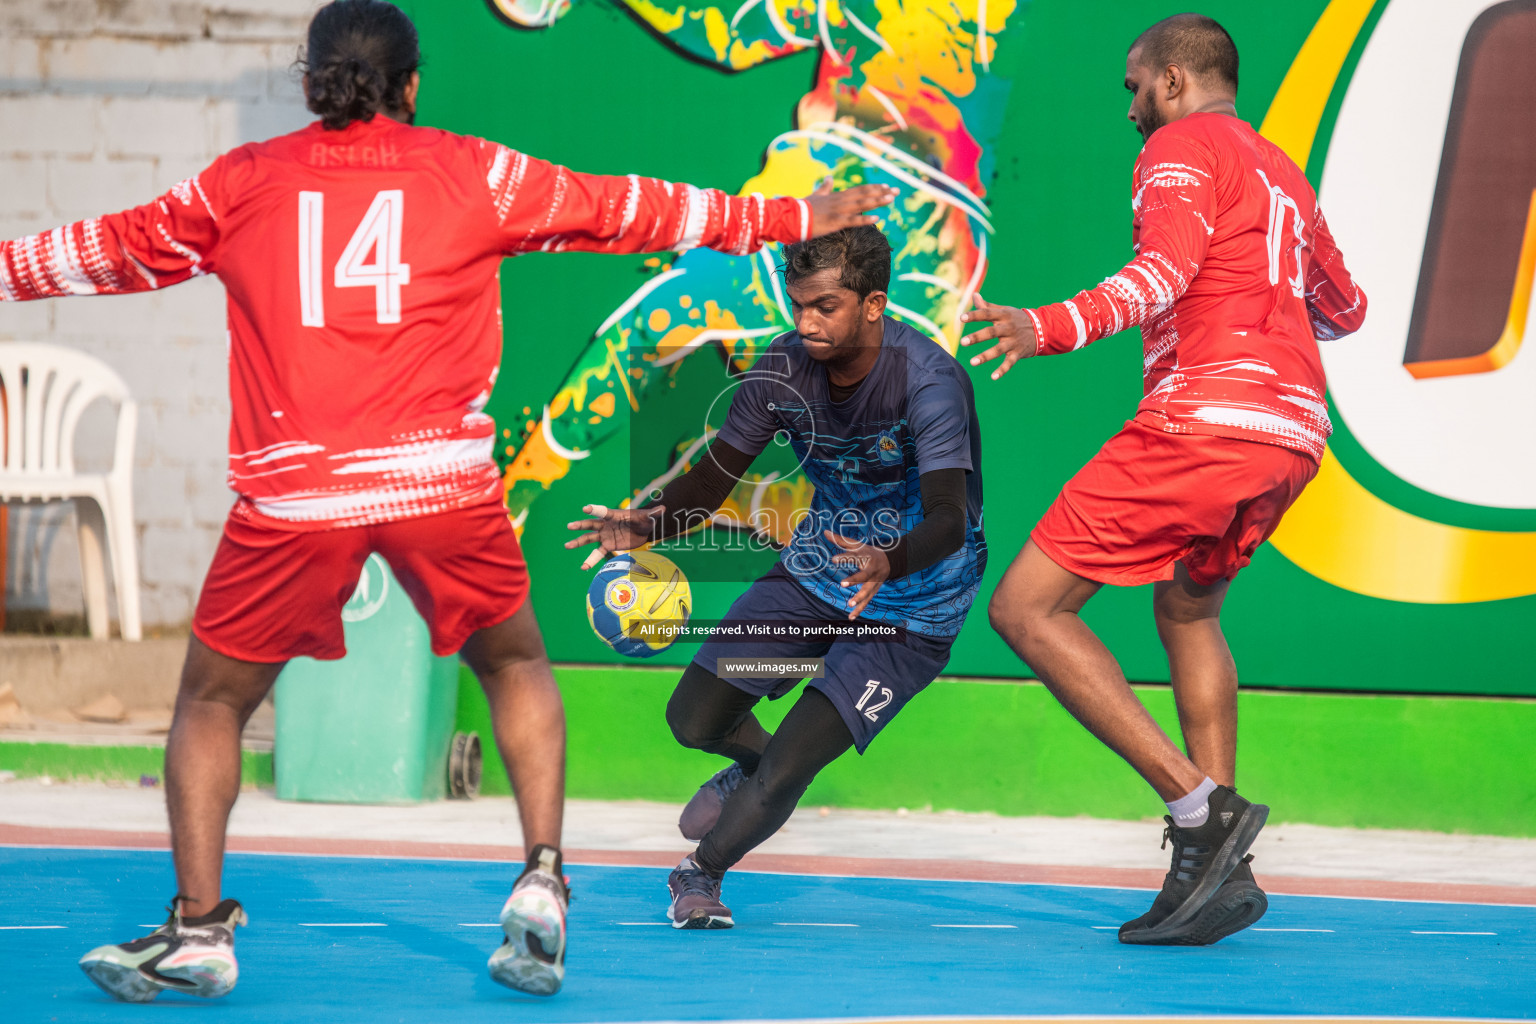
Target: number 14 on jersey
(378, 233)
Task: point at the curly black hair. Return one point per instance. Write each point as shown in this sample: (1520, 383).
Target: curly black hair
(862, 256)
(360, 57)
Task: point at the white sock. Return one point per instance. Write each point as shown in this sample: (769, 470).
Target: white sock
(1193, 809)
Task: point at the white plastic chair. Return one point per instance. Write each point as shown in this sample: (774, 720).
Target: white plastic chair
(43, 391)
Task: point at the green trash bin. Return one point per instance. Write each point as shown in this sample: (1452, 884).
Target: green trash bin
(375, 727)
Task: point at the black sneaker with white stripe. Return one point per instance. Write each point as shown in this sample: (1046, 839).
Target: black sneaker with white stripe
(1204, 860)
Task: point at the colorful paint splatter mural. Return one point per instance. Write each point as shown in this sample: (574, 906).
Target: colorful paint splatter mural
(903, 95)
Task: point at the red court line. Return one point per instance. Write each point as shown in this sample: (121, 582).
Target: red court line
(938, 870)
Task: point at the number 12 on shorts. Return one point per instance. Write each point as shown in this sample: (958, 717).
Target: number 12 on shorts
(886, 696)
(377, 233)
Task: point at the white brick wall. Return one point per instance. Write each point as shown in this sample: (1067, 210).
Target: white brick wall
(104, 106)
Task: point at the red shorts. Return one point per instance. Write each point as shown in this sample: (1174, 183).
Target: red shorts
(1149, 499)
(276, 594)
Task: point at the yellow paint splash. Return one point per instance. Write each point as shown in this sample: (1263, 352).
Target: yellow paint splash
(658, 18)
(789, 171)
(538, 462)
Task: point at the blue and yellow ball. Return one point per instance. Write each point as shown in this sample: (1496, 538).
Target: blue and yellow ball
(637, 601)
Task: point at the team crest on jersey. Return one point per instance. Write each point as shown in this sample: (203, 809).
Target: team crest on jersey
(888, 448)
(620, 595)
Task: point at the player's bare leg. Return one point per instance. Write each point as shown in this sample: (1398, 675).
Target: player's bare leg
(1204, 677)
(217, 697)
(1035, 608)
(529, 721)
(528, 718)
(1202, 671)
(194, 951)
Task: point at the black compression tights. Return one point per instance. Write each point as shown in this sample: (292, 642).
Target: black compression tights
(709, 713)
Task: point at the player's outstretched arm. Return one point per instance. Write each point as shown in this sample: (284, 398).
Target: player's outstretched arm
(151, 246)
(688, 501)
(614, 529)
(835, 209)
(1175, 197)
(543, 207)
(1013, 330)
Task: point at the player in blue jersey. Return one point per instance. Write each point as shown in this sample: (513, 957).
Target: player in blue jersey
(884, 422)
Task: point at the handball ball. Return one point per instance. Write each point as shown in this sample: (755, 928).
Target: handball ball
(631, 591)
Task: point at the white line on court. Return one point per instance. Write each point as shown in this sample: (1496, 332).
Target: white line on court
(30, 927)
(1106, 927)
(478, 924)
(342, 924)
(644, 924)
(112, 848)
(1455, 933)
(1325, 931)
(975, 926)
(813, 924)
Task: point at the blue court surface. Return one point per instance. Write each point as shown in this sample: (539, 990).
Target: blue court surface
(344, 939)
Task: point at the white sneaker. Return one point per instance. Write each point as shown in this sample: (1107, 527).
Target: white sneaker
(197, 958)
(532, 959)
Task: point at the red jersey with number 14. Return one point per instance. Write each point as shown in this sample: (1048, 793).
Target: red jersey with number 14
(364, 310)
(1236, 278)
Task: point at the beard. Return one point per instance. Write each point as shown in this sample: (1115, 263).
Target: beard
(1148, 120)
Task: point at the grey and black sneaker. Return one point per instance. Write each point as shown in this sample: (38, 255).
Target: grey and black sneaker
(704, 809)
(1203, 860)
(696, 898)
(532, 956)
(195, 955)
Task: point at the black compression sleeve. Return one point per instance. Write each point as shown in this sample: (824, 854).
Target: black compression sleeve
(812, 736)
(942, 530)
(696, 495)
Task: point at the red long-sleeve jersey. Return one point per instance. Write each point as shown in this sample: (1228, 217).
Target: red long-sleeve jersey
(364, 312)
(1235, 279)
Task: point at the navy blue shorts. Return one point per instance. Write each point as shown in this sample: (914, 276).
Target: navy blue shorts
(868, 681)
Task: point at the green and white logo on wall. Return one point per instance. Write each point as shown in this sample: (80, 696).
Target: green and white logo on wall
(1436, 198)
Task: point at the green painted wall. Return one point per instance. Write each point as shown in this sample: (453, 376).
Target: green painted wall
(1435, 763)
(70, 763)
(600, 92)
